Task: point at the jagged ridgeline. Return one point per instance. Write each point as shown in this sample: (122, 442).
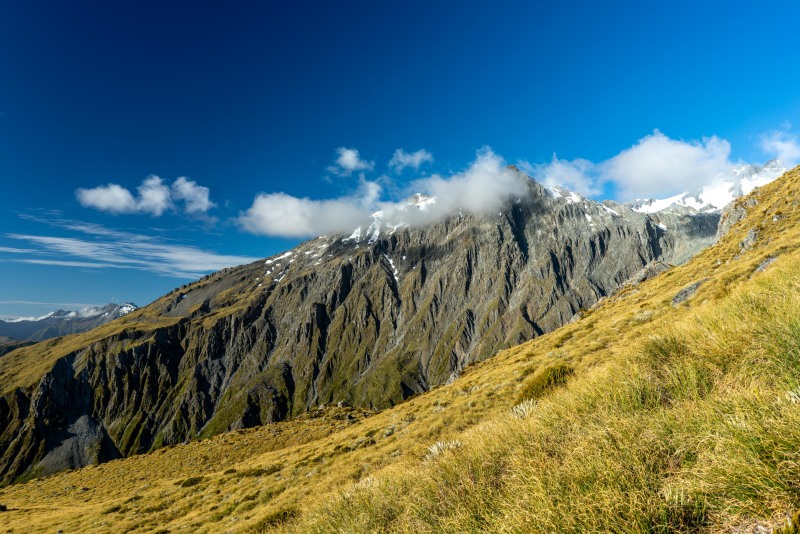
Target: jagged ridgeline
(368, 321)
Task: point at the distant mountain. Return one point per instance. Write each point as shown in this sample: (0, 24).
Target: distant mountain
(718, 193)
(61, 322)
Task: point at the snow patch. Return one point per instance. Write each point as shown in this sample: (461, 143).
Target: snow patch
(394, 269)
(609, 210)
(282, 256)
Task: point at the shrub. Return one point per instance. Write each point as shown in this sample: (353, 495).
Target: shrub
(191, 481)
(544, 381)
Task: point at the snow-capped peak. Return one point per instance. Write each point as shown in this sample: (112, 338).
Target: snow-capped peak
(719, 192)
(127, 308)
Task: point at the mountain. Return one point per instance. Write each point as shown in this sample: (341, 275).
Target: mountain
(719, 192)
(367, 320)
(61, 323)
(646, 413)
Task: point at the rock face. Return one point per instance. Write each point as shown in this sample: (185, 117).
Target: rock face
(365, 321)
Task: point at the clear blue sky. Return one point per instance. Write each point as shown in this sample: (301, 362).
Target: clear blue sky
(244, 98)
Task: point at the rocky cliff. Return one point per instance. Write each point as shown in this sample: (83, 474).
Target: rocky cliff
(367, 320)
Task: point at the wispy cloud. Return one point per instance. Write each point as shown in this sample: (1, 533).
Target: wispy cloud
(402, 160)
(99, 247)
(348, 161)
(481, 188)
(62, 263)
(154, 197)
(59, 304)
(12, 250)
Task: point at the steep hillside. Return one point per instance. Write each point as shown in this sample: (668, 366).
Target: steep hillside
(680, 415)
(367, 320)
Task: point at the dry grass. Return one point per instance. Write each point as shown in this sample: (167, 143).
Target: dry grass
(677, 418)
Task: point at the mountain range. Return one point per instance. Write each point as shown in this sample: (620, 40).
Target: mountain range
(669, 404)
(394, 309)
(61, 322)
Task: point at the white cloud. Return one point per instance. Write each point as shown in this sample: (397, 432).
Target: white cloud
(783, 146)
(196, 196)
(65, 263)
(402, 159)
(657, 165)
(279, 214)
(112, 198)
(154, 197)
(579, 175)
(482, 188)
(349, 161)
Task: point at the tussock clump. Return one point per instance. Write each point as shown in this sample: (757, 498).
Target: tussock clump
(436, 450)
(523, 409)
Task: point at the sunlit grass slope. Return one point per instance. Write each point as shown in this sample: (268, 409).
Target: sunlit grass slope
(643, 416)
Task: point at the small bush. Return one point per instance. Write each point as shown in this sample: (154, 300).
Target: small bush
(191, 481)
(546, 380)
(112, 509)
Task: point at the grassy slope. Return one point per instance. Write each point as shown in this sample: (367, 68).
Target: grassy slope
(676, 418)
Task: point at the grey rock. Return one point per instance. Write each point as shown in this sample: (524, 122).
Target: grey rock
(687, 292)
(764, 264)
(651, 270)
(749, 240)
(85, 443)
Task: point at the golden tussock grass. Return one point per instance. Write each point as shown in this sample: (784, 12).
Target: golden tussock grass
(677, 418)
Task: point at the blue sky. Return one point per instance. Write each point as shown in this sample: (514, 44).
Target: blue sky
(226, 102)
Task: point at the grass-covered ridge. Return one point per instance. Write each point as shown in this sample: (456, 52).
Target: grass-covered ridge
(699, 427)
(677, 417)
